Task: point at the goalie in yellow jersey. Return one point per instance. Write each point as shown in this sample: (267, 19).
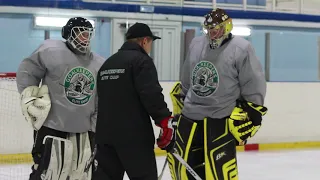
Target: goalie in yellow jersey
(220, 101)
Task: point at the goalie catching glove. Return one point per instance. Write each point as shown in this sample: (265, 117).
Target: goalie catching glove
(245, 120)
(35, 105)
(166, 137)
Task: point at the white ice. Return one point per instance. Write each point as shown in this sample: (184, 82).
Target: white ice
(272, 165)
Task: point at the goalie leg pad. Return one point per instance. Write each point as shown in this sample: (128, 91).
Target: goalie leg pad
(66, 158)
(220, 150)
(189, 145)
(81, 156)
(56, 160)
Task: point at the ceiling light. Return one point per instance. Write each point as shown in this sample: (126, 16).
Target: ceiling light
(53, 22)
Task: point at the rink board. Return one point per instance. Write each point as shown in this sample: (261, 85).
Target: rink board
(27, 158)
(287, 125)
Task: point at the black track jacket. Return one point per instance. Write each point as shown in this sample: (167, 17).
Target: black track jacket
(128, 94)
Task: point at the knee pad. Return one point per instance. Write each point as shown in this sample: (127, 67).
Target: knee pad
(189, 145)
(220, 151)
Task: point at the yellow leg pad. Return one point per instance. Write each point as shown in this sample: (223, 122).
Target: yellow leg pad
(219, 151)
(185, 134)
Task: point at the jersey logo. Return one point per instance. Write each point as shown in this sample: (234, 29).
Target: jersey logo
(79, 85)
(205, 79)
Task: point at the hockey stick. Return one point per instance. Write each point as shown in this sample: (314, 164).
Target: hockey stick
(163, 168)
(89, 163)
(179, 158)
(91, 159)
(183, 162)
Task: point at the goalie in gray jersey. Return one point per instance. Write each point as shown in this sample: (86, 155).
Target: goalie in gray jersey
(57, 83)
(220, 101)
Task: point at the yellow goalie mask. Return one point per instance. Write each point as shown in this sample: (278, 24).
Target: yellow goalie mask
(217, 26)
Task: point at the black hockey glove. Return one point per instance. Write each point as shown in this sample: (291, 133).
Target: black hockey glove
(166, 137)
(255, 112)
(245, 120)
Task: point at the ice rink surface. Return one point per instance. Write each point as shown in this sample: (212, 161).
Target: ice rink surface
(272, 165)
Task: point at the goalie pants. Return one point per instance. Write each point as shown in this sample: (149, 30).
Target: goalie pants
(111, 161)
(38, 148)
(208, 147)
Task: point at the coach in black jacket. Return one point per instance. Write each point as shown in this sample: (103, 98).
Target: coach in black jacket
(129, 93)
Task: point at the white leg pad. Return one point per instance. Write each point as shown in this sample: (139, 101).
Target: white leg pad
(81, 155)
(60, 159)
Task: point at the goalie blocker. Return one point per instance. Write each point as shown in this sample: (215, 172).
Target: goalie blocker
(60, 155)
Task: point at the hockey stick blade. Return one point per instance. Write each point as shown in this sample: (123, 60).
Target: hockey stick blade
(183, 162)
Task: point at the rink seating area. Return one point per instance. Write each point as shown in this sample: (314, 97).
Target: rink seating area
(287, 6)
(249, 2)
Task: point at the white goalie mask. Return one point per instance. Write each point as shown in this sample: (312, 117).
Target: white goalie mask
(80, 38)
(78, 32)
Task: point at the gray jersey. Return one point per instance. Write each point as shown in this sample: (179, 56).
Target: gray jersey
(213, 80)
(71, 80)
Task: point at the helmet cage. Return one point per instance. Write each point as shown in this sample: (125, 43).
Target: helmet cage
(217, 32)
(80, 38)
